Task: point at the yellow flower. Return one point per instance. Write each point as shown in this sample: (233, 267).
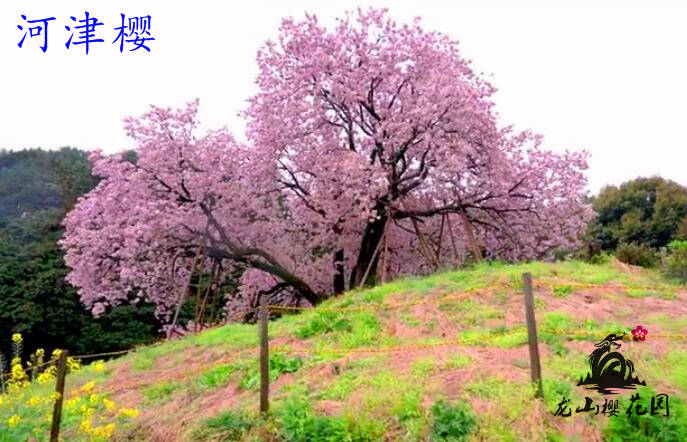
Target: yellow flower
(17, 374)
(93, 399)
(103, 432)
(44, 377)
(86, 425)
(99, 366)
(109, 405)
(73, 364)
(70, 404)
(88, 387)
(130, 412)
(16, 338)
(35, 400)
(86, 411)
(40, 352)
(13, 421)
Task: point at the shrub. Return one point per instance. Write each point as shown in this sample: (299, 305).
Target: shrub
(676, 263)
(299, 424)
(216, 376)
(601, 258)
(452, 422)
(226, 426)
(636, 254)
(561, 291)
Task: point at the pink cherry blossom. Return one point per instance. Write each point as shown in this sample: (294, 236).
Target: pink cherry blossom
(373, 150)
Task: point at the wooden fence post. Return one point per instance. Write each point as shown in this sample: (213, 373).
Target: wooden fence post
(59, 389)
(264, 358)
(535, 365)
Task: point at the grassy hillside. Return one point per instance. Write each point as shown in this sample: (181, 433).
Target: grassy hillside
(416, 359)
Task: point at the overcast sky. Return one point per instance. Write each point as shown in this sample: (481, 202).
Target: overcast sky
(611, 80)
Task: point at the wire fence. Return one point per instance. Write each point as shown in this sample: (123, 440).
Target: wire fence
(451, 298)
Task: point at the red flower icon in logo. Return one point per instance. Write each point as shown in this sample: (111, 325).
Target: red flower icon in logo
(639, 334)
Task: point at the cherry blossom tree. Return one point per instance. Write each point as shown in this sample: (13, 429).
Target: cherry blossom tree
(385, 119)
(374, 151)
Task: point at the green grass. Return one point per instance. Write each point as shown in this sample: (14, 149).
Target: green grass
(278, 364)
(410, 320)
(160, 391)
(226, 426)
(470, 312)
(562, 291)
(513, 400)
(458, 361)
(423, 366)
(496, 336)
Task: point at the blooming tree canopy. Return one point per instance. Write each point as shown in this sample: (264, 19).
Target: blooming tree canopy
(373, 150)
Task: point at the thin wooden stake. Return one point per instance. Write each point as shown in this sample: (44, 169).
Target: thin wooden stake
(384, 256)
(453, 241)
(59, 389)
(374, 254)
(441, 235)
(182, 294)
(470, 235)
(424, 246)
(535, 365)
(264, 359)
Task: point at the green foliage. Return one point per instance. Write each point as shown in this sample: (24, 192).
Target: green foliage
(279, 364)
(647, 428)
(636, 254)
(452, 422)
(645, 211)
(216, 376)
(35, 300)
(676, 263)
(324, 322)
(600, 258)
(228, 426)
(298, 423)
(681, 232)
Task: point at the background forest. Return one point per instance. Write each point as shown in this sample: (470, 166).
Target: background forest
(37, 188)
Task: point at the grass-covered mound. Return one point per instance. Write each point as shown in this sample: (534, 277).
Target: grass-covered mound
(436, 358)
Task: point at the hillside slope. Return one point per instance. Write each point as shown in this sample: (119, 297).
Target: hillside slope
(414, 359)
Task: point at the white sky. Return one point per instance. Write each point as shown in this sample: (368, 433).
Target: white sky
(611, 80)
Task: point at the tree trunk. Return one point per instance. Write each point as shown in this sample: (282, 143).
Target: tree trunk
(339, 276)
(366, 257)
